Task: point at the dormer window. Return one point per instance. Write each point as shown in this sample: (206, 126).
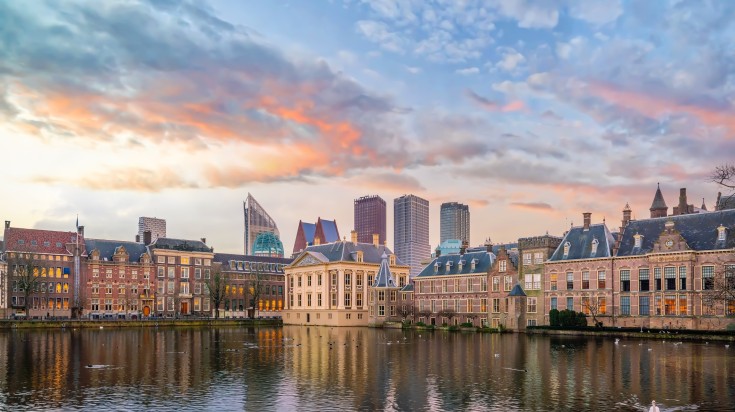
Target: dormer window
(638, 239)
(721, 233)
(359, 256)
(392, 260)
(566, 249)
(473, 263)
(233, 265)
(449, 266)
(460, 265)
(436, 267)
(595, 242)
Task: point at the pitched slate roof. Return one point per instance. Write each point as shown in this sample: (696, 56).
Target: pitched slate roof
(438, 267)
(276, 262)
(107, 248)
(180, 244)
(309, 230)
(384, 279)
(331, 234)
(580, 243)
(347, 252)
(39, 241)
(517, 291)
(698, 229)
(407, 288)
(658, 200)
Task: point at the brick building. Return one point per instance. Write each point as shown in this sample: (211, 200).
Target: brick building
(534, 252)
(118, 280)
(503, 275)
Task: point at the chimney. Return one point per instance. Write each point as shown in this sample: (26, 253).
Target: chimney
(463, 248)
(147, 237)
(489, 245)
(204, 240)
(438, 252)
(317, 241)
(587, 217)
(626, 216)
(376, 239)
(80, 231)
(7, 222)
(683, 207)
(353, 236)
(137, 238)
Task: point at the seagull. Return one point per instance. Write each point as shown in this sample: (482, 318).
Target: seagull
(563, 346)
(617, 341)
(649, 349)
(497, 355)
(727, 346)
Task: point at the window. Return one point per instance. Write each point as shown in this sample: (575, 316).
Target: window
(348, 300)
(553, 281)
(601, 305)
(171, 272)
(683, 305)
(185, 273)
(531, 322)
(585, 305)
(538, 258)
(529, 282)
(95, 304)
(334, 299)
(198, 288)
(334, 279)
(319, 299)
(370, 280)
(95, 273)
(348, 279)
(508, 285)
(444, 286)
(121, 290)
(567, 245)
(159, 304)
(554, 303)
(570, 303)
(595, 243)
(657, 304)
(381, 295)
(108, 304)
(502, 265)
(721, 233)
(625, 282)
(600, 279)
(197, 273)
(170, 287)
(206, 271)
(108, 290)
(308, 280)
(170, 304)
(585, 280)
(657, 278)
(319, 280)
(298, 300)
(483, 305)
(299, 279)
(308, 299)
(730, 309)
(531, 305)
(496, 284)
(496, 305)
(483, 285)
(184, 288)
(643, 280)
(198, 261)
(638, 239)
(682, 278)
(358, 300)
(381, 310)
(108, 273)
(160, 272)
(456, 285)
(526, 258)
(670, 305)
(570, 280)
(670, 275)
(161, 259)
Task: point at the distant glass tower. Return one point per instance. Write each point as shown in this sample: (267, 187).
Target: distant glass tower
(370, 219)
(268, 244)
(156, 226)
(454, 222)
(411, 231)
(257, 221)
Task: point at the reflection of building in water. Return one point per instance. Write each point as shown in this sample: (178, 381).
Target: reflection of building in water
(330, 284)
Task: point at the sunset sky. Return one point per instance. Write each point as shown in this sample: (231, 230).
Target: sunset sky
(530, 112)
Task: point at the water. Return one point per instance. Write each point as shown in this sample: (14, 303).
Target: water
(296, 368)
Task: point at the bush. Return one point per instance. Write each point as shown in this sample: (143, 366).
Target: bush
(567, 318)
(454, 328)
(554, 317)
(467, 325)
(420, 324)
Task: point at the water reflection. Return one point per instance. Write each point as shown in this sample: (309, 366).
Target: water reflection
(354, 368)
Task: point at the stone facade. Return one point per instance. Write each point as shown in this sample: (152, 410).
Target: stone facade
(330, 284)
(533, 253)
(502, 277)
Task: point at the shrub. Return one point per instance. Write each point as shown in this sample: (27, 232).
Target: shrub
(420, 324)
(554, 317)
(454, 328)
(467, 325)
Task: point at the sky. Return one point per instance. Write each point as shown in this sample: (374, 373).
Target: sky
(529, 112)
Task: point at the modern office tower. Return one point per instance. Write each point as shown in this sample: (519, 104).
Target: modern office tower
(454, 222)
(370, 219)
(156, 226)
(411, 231)
(257, 221)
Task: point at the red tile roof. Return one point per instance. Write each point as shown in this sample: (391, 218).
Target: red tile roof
(39, 241)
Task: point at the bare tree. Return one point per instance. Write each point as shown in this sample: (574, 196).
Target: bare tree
(255, 287)
(720, 288)
(25, 276)
(425, 313)
(406, 311)
(217, 288)
(448, 313)
(592, 305)
(724, 175)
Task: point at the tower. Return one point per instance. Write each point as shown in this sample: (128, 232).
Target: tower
(370, 219)
(454, 222)
(658, 207)
(257, 221)
(411, 231)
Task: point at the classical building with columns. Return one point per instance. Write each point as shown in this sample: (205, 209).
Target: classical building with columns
(330, 284)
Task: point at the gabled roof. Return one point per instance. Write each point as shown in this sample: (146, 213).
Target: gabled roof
(347, 252)
(407, 288)
(698, 229)
(658, 200)
(309, 230)
(580, 243)
(384, 279)
(517, 291)
(39, 241)
(180, 244)
(107, 248)
(329, 227)
(438, 267)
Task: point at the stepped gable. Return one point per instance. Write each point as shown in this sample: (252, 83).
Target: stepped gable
(699, 230)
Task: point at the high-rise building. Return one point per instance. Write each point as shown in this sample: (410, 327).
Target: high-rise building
(156, 226)
(454, 222)
(370, 219)
(411, 231)
(257, 221)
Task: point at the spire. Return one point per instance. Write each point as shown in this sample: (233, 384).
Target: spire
(384, 279)
(658, 207)
(626, 208)
(704, 207)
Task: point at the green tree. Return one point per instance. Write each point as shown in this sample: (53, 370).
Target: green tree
(216, 288)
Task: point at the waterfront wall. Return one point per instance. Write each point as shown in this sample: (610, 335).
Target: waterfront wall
(703, 336)
(96, 324)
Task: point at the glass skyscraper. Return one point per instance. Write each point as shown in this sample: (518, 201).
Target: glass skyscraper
(370, 219)
(257, 221)
(454, 222)
(411, 231)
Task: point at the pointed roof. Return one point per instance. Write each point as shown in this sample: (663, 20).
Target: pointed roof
(517, 291)
(658, 200)
(704, 206)
(384, 279)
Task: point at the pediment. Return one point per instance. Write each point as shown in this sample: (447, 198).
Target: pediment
(670, 240)
(308, 259)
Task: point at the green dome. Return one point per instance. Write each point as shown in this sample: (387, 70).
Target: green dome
(268, 244)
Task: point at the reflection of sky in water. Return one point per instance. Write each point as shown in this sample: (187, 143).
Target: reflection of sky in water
(297, 368)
